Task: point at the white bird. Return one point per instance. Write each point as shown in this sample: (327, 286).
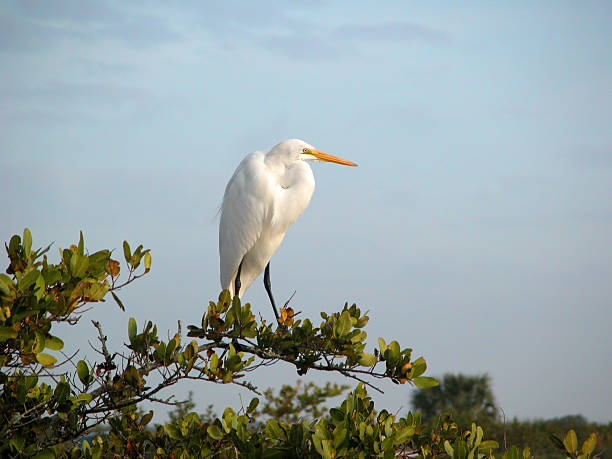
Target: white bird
(264, 197)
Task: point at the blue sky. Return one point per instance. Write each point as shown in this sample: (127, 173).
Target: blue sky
(477, 229)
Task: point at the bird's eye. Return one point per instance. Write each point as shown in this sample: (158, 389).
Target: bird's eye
(305, 150)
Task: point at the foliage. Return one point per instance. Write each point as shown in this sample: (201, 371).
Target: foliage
(351, 429)
(50, 405)
(467, 398)
(538, 434)
(182, 409)
(337, 345)
(300, 402)
(43, 402)
(470, 398)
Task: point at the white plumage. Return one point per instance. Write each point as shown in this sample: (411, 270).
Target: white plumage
(264, 197)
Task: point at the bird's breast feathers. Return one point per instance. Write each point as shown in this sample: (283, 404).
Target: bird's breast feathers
(292, 192)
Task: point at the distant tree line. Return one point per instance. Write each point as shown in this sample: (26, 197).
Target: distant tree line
(469, 398)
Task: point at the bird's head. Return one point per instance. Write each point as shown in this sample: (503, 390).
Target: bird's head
(296, 149)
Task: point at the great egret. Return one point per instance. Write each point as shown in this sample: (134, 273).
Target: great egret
(264, 197)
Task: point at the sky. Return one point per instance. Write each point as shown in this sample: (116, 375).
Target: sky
(477, 229)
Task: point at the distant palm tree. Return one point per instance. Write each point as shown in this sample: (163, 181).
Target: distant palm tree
(468, 398)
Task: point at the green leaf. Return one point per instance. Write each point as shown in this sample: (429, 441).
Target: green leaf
(85, 398)
(98, 261)
(337, 415)
(339, 436)
(392, 354)
(147, 261)
(170, 348)
(479, 435)
(136, 257)
(382, 345)
(173, 431)
(96, 292)
(54, 343)
(214, 361)
(273, 429)
(118, 301)
(571, 442)
(39, 287)
(7, 333)
(78, 264)
(214, 432)
(448, 448)
(14, 244)
(253, 405)
(51, 274)
(83, 371)
(224, 297)
(6, 284)
(30, 381)
(425, 382)
(589, 444)
(146, 418)
(402, 435)
(367, 360)
(45, 359)
(232, 350)
(62, 391)
(343, 325)
(40, 252)
(418, 367)
(39, 343)
(81, 247)
(132, 329)
(488, 445)
(328, 449)
(228, 416)
(233, 363)
(28, 280)
(556, 441)
(27, 242)
(131, 375)
(126, 251)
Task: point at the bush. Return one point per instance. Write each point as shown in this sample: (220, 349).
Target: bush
(51, 407)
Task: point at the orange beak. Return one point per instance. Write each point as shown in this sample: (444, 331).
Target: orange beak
(330, 158)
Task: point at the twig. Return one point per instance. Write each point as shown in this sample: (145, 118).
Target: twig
(290, 298)
(102, 339)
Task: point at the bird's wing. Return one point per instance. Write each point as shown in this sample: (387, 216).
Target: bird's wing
(243, 214)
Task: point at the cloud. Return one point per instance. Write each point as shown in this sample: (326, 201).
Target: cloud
(309, 41)
(278, 28)
(282, 29)
(391, 32)
(36, 26)
(74, 11)
(301, 46)
(312, 42)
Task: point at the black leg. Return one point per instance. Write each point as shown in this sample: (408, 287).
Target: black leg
(237, 280)
(268, 286)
